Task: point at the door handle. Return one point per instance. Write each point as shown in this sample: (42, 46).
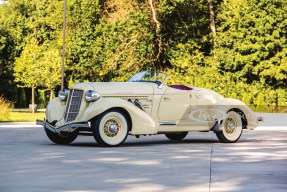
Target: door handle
(166, 98)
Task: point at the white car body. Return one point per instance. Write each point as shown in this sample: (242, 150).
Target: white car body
(149, 107)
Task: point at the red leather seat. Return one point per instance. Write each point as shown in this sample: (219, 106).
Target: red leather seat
(181, 87)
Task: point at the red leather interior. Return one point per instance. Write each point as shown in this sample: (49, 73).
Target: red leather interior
(181, 87)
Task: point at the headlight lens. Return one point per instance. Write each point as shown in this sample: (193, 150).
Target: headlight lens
(92, 95)
(63, 94)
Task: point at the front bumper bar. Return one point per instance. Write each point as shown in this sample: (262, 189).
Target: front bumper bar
(70, 127)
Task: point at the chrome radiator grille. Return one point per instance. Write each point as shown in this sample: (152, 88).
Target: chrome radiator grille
(73, 105)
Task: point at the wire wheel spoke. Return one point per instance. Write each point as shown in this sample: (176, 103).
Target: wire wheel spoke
(230, 125)
(112, 127)
(231, 128)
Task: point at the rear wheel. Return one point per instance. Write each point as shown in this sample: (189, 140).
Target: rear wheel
(63, 138)
(176, 136)
(231, 128)
(111, 128)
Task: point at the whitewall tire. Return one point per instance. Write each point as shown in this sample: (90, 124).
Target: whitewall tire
(111, 128)
(231, 128)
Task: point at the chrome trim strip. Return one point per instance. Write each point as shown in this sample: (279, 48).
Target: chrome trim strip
(160, 86)
(167, 123)
(126, 97)
(70, 127)
(69, 105)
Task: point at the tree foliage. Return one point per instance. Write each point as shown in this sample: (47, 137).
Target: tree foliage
(28, 68)
(251, 45)
(235, 47)
(113, 46)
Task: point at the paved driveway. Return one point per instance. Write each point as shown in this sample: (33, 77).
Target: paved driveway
(30, 162)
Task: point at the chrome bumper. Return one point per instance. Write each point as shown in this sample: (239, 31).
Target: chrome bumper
(70, 127)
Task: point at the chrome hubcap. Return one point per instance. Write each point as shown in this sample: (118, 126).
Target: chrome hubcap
(230, 125)
(113, 128)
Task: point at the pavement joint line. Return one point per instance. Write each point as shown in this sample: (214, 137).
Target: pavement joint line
(210, 164)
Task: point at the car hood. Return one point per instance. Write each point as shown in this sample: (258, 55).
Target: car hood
(117, 88)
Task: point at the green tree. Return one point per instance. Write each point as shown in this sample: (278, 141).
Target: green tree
(187, 43)
(246, 99)
(28, 69)
(260, 102)
(9, 48)
(251, 41)
(236, 47)
(113, 47)
(19, 22)
(51, 74)
(82, 18)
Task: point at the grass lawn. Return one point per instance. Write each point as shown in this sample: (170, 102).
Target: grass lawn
(24, 117)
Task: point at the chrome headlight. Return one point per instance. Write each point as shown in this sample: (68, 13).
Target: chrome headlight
(92, 95)
(63, 94)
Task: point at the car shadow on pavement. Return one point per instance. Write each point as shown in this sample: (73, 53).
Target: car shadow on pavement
(145, 143)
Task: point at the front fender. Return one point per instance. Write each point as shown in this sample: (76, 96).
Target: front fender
(227, 104)
(55, 110)
(142, 123)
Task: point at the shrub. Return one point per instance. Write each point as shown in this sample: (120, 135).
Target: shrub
(5, 107)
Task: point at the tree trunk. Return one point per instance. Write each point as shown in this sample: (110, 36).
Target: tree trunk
(51, 94)
(212, 16)
(152, 7)
(33, 99)
(158, 28)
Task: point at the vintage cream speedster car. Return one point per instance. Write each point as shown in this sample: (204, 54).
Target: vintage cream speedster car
(110, 111)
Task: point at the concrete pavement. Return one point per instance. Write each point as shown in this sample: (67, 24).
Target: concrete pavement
(30, 162)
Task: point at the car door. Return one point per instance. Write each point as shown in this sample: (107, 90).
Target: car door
(174, 105)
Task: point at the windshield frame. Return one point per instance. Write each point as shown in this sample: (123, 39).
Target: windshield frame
(158, 78)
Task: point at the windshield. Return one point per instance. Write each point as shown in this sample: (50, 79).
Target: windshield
(146, 76)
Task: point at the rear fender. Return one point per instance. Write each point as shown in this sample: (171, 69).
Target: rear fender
(227, 104)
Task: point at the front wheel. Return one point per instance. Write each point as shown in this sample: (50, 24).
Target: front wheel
(63, 138)
(111, 128)
(231, 128)
(176, 136)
